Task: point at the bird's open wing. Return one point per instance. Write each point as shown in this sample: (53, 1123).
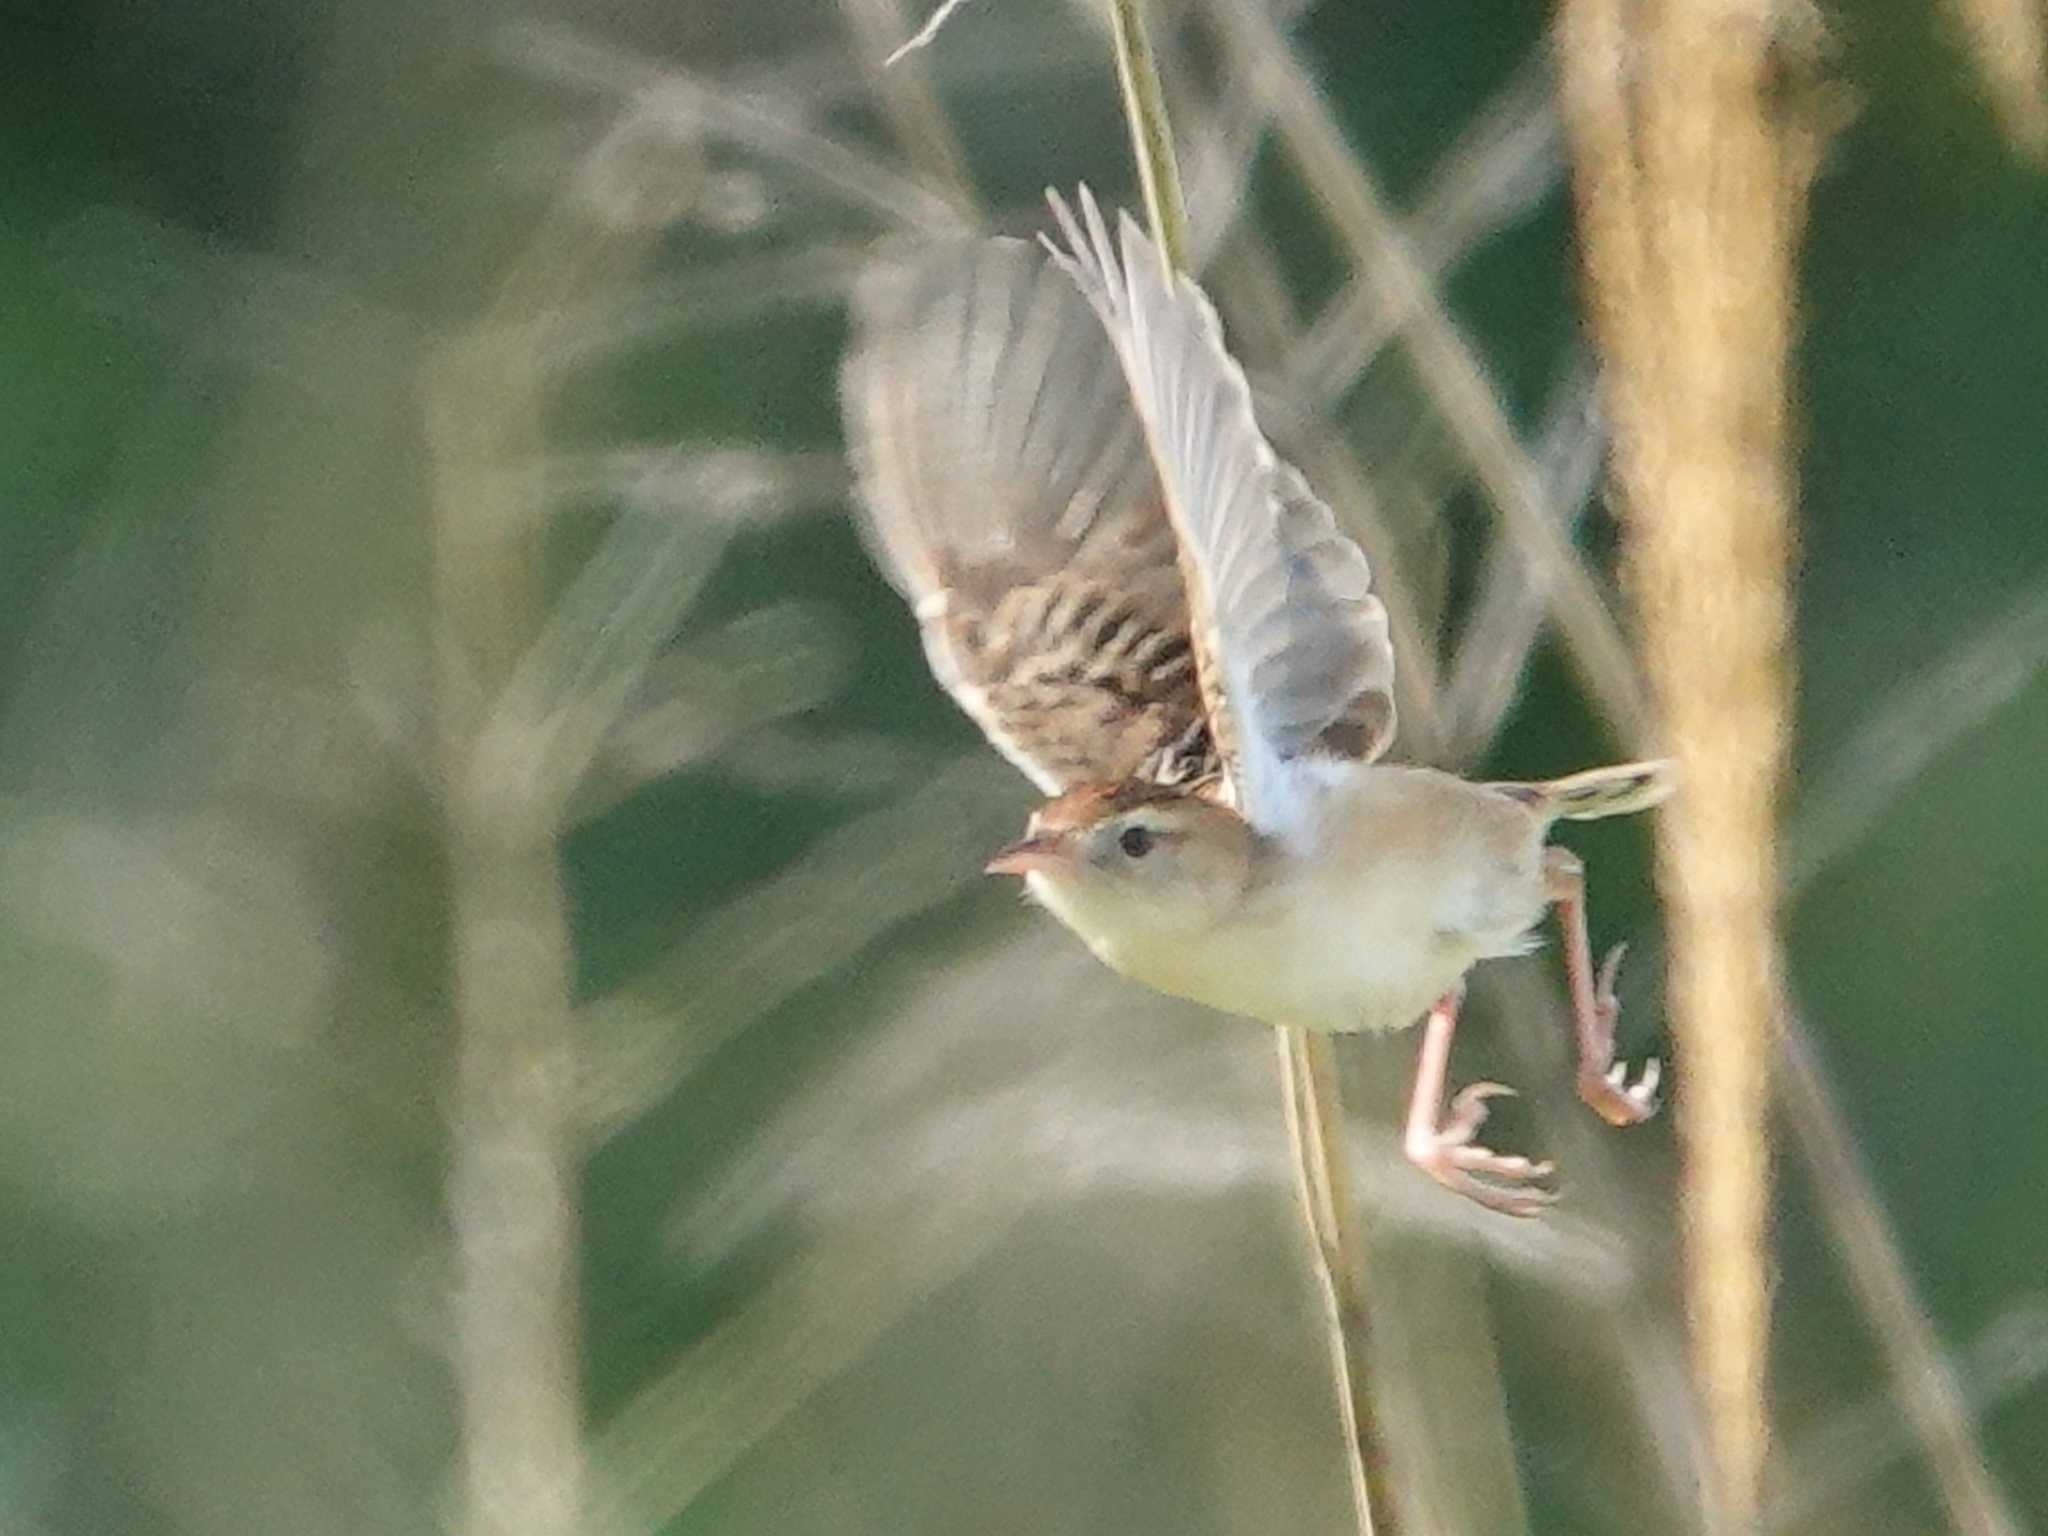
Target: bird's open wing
(1007, 492)
(1290, 642)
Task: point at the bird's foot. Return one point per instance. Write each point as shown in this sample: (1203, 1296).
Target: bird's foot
(1448, 1154)
(1604, 1082)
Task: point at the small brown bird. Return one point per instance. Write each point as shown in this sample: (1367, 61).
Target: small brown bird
(1152, 616)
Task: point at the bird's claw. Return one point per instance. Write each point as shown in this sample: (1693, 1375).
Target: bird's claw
(1606, 1006)
(1615, 1099)
(1509, 1184)
(1468, 1110)
(1604, 1082)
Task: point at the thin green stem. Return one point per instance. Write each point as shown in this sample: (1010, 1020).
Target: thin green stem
(1151, 132)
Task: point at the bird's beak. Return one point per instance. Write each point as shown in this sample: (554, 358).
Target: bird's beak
(1039, 851)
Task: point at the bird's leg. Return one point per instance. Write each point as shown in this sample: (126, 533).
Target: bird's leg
(1441, 1144)
(1603, 1082)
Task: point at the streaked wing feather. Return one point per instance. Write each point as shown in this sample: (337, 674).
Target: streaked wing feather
(1006, 490)
(1291, 644)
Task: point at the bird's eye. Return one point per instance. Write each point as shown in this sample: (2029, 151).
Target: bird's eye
(1136, 842)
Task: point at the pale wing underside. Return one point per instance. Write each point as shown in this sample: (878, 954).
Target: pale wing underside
(1290, 642)
(1006, 491)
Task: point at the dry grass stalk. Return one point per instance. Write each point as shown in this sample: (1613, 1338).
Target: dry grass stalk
(1308, 1073)
(1691, 185)
(1315, 1133)
(1137, 73)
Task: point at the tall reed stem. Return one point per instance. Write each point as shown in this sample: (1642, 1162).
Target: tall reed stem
(1691, 176)
(1308, 1071)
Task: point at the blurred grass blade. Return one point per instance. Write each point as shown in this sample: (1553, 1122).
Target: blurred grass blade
(690, 106)
(785, 934)
(579, 676)
(1506, 619)
(1448, 365)
(720, 1397)
(1911, 726)
(1507, 162)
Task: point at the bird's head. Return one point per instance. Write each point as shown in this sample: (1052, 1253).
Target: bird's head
(1133, 855)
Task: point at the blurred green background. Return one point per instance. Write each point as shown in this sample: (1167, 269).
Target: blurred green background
(895, 1214)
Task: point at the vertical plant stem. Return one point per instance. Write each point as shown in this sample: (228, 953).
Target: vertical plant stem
(1691, 180)
(511, 1180)
(1151, 132)
(1315, 1133)
(1308, 1075)
(514, 1158)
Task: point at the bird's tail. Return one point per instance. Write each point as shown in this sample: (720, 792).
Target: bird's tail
(1621, 790)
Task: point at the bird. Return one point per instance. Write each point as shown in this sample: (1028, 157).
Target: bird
(1152, 615)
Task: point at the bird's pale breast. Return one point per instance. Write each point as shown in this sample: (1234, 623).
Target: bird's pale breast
(1415, 877)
